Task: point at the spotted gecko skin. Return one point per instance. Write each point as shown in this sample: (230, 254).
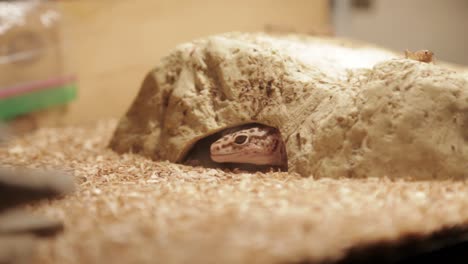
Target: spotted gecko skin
(256, 145)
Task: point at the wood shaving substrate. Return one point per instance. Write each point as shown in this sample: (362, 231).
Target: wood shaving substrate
(129, 209)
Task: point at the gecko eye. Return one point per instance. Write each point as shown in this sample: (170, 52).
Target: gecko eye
(240, 139)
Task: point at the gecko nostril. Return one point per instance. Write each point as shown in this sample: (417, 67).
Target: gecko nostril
(213, 147)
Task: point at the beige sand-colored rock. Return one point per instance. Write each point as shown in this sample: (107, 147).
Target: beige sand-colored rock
(343, 109)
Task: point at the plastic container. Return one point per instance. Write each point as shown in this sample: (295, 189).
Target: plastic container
(33, 75)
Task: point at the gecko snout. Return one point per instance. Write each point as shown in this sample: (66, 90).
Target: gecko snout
(214, 148)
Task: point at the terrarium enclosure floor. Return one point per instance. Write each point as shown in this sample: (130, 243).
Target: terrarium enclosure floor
(129, 209)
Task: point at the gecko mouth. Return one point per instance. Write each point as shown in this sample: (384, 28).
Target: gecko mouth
(224, 155)
(236, 157)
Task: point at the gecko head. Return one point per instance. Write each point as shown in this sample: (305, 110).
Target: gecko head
(256, 145)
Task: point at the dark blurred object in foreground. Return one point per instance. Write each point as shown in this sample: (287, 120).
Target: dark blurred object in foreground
(19, 230)
(23, 186)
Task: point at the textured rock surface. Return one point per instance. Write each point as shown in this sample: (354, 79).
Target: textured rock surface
(343, 109)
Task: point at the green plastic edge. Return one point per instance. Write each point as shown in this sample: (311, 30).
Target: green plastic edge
(22, 104)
